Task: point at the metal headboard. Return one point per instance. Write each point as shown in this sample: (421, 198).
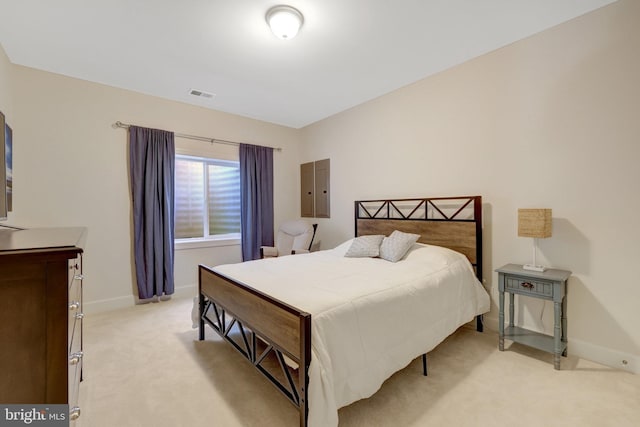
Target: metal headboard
(452, 222)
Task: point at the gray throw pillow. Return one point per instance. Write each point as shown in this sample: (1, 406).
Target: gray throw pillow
(365, 246)
(395, 247)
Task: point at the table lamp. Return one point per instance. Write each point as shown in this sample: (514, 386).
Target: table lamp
(534, 223)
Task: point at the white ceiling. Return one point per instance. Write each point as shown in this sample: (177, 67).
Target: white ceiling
(347, 52)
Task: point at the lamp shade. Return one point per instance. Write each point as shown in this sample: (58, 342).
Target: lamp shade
(534, 223)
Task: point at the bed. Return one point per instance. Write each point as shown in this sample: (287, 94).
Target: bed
(368, 317)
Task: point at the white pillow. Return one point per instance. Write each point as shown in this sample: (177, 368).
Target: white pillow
(365, 246)
(395, 247)
(342, 248)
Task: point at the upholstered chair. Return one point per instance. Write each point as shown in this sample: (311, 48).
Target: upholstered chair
(293, 237)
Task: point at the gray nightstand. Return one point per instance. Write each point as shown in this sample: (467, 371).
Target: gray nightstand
(549, 285)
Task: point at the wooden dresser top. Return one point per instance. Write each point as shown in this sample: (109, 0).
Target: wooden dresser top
(42, 239)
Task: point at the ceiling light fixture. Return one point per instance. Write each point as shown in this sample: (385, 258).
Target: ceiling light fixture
(284, 21)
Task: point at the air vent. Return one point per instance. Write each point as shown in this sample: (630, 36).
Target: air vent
(201, 93)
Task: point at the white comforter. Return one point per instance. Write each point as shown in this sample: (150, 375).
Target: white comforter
(370, 317)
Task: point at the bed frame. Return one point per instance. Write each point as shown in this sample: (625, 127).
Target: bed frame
(267, 331)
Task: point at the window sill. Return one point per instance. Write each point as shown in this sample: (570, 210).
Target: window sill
(205, 243)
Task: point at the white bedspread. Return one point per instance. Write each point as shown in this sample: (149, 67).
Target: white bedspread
(370, 317)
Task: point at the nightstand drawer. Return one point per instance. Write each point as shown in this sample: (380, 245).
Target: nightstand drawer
(527, 286)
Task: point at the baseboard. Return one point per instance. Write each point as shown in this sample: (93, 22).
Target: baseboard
(584, 350)
(605, 356)
(109, 304)
(188, 291)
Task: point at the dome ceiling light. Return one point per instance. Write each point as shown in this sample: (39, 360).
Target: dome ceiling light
(284, 21)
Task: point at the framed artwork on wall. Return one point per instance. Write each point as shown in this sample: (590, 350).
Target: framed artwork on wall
(8, 152)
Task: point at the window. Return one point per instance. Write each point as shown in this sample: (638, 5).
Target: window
(207, 199)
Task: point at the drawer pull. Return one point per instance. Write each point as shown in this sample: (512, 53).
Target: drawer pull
(79, 315)
(74, 305)
(527, 285)
(74, 413)
(75, 358)
(78, 277)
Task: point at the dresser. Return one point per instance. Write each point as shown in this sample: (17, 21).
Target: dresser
(41, 316)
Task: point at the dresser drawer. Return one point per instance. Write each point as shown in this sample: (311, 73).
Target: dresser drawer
(75, 371)
(75, 354)
(527, 286)
(75, 332)
(76, 357)
(75, 269)
(75, 295)
(75, 312)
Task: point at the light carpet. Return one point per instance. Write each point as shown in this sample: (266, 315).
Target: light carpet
(144, 366)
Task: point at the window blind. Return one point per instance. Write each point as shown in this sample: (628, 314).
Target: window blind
(207, 201)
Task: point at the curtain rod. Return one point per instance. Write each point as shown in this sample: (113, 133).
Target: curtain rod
(119, 124)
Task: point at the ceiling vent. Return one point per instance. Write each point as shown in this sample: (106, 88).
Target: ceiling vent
(201, 93)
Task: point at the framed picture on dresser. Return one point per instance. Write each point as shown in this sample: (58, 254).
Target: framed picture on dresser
(3, 169)
(8, 155)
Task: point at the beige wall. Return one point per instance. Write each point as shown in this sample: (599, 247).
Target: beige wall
(551, 121)
(70, 168)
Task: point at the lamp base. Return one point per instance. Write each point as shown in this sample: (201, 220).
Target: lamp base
(532, 267)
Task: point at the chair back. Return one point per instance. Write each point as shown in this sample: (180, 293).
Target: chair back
(294, 235)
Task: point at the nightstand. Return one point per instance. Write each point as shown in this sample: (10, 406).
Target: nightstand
(549, 285)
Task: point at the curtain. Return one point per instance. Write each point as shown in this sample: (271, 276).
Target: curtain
(152, 168)
(256, 193)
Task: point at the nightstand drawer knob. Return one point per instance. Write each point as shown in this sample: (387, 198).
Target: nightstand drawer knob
(75, 358)
(527, 285)
(74, 305)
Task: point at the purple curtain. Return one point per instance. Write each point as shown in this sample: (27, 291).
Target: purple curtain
(256, 193)
(152, 169)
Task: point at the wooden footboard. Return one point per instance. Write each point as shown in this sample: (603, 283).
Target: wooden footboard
(260, 327)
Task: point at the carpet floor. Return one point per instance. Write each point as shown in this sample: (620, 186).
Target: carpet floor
(144, 366)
